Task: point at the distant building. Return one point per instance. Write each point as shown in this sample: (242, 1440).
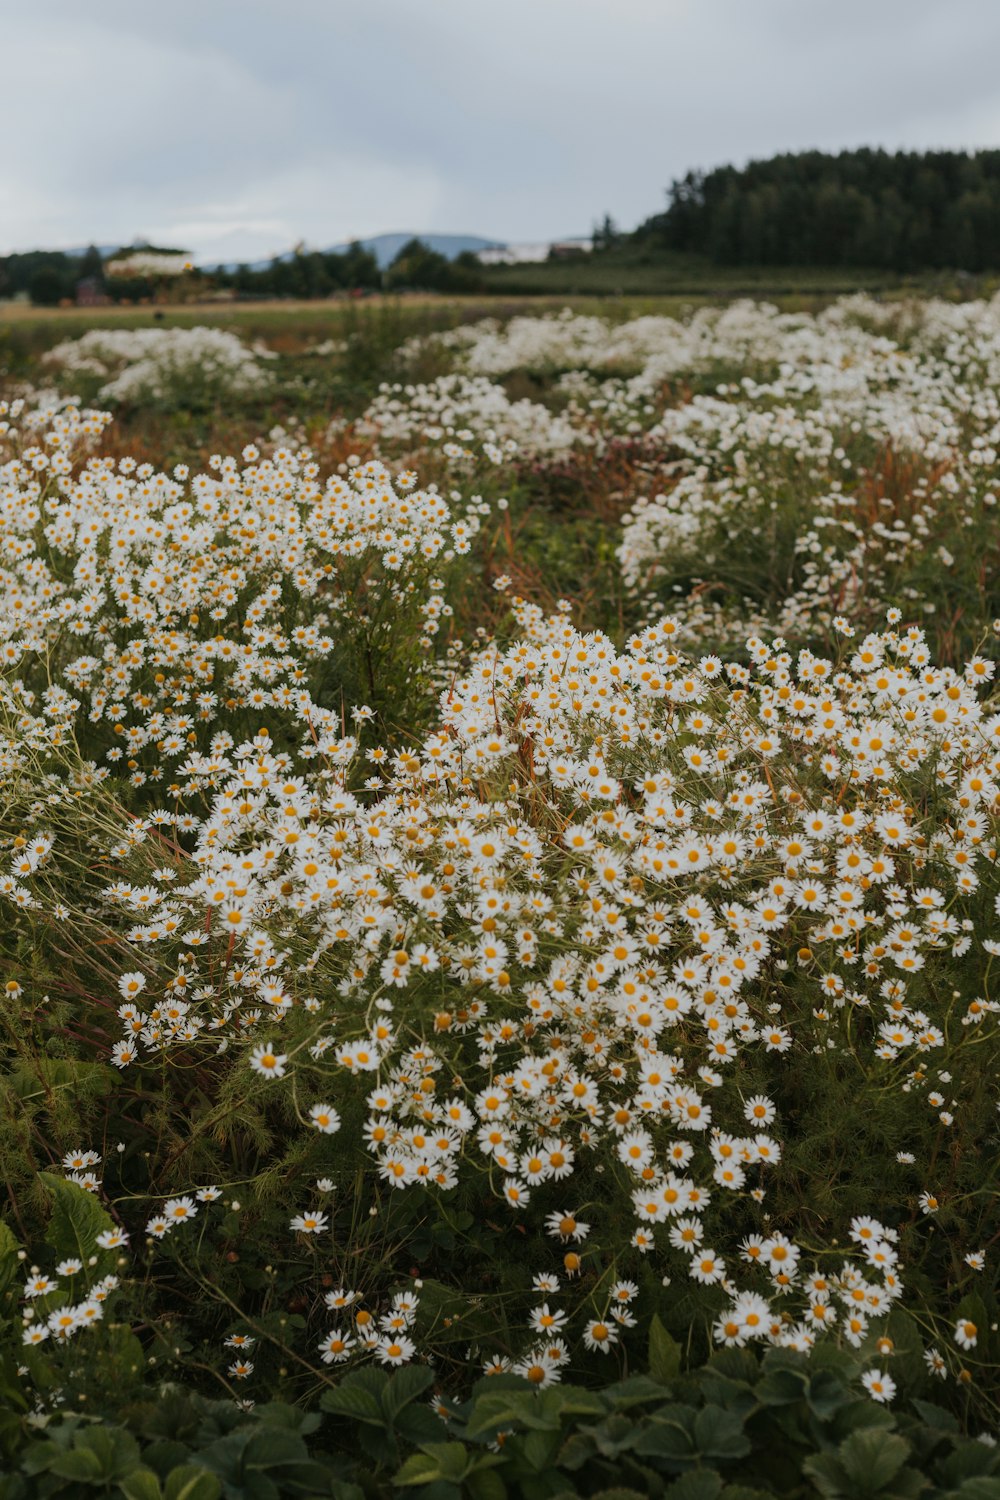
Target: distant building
(530, 252)
(149, 263)
(90, 293)
(569, 249)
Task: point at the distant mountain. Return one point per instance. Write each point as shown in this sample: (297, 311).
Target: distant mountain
(103, 250)
(385, 247)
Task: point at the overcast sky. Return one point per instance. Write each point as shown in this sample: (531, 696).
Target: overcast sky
(235, 128)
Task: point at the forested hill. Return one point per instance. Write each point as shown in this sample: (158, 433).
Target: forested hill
(904, 211)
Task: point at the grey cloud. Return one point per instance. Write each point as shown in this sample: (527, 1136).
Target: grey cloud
(244, 126)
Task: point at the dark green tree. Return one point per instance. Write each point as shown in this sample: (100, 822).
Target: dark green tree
(47, 286)
(902, 211)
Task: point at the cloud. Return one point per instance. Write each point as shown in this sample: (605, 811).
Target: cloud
(240, 128)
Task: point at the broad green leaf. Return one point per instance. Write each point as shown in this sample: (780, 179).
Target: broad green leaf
(484, 1484)
(969, 1460)
(935, 1417)
(826, 1394)
(78, 1463)
(669, 1434)
(141, 1484)
(539, 1449)
(350, 1401)
(664, 1354)
(9, 1243)
(449, 1461)
(871, 1459)
(417, 1424)
(697, 1484)
(976, 1489)
(77, 1218)
(619, 1492)
(827, 1473)
(718, 1433)
(191, 1483)
(419, 1468)
(404, 1386)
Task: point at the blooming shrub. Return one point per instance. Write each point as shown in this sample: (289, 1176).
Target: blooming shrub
(149, 364)
(457, 407)
(849, 461)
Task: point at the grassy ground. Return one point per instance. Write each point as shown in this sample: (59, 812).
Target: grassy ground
(633, 271)
(380, 323)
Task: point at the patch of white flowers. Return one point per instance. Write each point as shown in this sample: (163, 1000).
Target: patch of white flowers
(146, 363)
(580, 926)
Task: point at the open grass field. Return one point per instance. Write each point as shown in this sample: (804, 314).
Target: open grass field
(499, 899)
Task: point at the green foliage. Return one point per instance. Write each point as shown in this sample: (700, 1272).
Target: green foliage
(736, 1429)
(904, 211)
(213, 1452)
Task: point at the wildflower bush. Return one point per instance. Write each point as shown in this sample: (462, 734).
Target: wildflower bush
(424, 1009)
(164, 365)
(786, 466)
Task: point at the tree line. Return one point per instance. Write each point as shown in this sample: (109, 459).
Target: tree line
(52, 276)
(901, 211)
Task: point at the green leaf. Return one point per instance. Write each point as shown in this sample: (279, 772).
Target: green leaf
(697, 1484)
(448, 1461)
(616, 1434)
(718, 1433)
(77, 1218)
(619, 1492)
(669, 1435)
(539, 1449)
(483, 1484)
(346, 1400)
(191, 1483)
(368, 1378)
(908, 1354)
(781, 1387)
(826, 1394)
(578, 1449)
(420, 1468)
(827, 1473)
(417, 1424)
(141, 1484)
(976, 1489)
(935, 1417)
(745, 1492)
(969, 1460)
(491, 1412)
(9, 1243)
(664, 1355)
(871, 1459)
(404, 1386)
(78, 1463)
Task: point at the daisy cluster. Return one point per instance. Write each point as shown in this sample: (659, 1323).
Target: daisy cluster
(560, 936)
(151, 363)
(139, 608)
(889, 412)
(457, 409)
(561, 950)
(898, 450)
(746, 331)
(50, 1311)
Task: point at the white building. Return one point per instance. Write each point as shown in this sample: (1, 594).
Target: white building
(527, 252)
